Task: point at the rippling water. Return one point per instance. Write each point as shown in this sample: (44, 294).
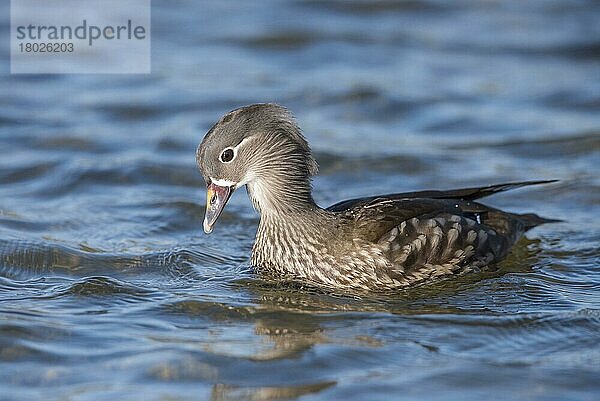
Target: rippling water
(110, 290)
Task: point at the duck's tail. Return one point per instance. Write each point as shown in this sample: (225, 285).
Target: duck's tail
(531, 220)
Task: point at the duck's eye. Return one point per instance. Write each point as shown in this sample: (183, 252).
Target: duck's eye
(227, 155)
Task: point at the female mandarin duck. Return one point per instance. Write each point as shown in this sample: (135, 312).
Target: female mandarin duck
(377, 243)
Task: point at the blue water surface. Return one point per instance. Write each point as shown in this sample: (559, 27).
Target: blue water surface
(109, 289)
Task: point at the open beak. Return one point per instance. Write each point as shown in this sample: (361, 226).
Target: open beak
(216, 198)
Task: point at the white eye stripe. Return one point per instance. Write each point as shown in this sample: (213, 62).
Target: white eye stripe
(234, 150)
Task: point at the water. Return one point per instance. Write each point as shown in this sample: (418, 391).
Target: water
(110, 290)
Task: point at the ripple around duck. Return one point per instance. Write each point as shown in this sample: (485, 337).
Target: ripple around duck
(69, 143)
(106, 286)
(558, 147)
(280, 40)
(129, 112)
(17, 223)
(30, 171)
(75, 176)
(330, 164)
(365, 7)
(521, 338)
(578, 51)
(26, 259)
(572, 100)
(17, 339)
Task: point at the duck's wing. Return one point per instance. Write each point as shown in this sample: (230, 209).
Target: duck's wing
(374, 220)
(424, 239)
(443, 233)
(468, 194)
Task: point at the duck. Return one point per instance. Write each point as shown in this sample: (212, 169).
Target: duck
(375, 243)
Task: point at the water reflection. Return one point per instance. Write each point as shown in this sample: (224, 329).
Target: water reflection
(222, 392)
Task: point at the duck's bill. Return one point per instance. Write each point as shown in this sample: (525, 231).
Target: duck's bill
(216, 199)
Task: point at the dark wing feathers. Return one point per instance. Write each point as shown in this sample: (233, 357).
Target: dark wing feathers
(425, 237)
(376, 218)
(444, 244)
(463, 193)
(438, 232)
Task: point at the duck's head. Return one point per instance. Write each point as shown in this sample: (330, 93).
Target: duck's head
(262, 147)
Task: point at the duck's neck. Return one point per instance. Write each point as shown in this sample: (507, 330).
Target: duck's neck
(292, 228)
(281, 196)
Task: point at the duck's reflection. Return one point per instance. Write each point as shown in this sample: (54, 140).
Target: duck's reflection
(289, 336)
(291, 321)
(222, 392)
